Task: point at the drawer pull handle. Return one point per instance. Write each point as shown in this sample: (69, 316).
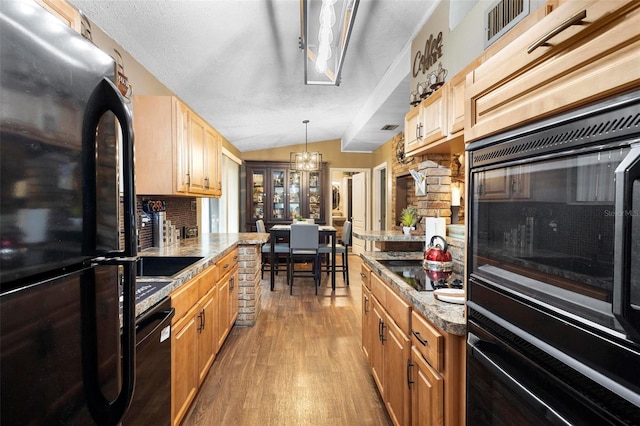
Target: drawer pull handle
(409, 365)
(362, 274)
(574, 20)
(423, 342)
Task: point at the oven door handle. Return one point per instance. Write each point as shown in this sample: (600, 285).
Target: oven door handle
(627, 173)
(474, 350)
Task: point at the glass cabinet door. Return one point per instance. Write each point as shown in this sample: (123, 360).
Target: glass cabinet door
(315, 199)
(295, 208)
(258, 194)
(278, 195)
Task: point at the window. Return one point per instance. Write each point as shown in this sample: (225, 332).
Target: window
(222, 215)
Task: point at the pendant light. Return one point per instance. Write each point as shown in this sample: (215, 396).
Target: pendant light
(306, 160)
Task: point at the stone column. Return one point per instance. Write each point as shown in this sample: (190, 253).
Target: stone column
(249, 290)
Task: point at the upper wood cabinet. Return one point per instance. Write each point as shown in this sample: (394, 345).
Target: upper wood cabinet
(436, 125)
(583, 51)
(177, 152)
(65, 12)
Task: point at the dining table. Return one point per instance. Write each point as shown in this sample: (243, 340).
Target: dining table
(283, 230)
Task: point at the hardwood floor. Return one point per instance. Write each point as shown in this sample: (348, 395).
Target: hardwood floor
(301, 364)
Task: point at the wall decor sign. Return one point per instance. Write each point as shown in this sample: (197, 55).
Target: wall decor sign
(432, 52)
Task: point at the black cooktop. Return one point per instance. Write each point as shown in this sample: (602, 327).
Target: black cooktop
(412, 272)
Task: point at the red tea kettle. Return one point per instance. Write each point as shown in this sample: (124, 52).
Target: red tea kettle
(437, 257)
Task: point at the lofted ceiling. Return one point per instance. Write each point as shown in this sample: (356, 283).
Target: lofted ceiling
(237, 63)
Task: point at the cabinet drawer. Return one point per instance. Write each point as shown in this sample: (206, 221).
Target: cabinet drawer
(184, 298)
(427, 340)
(399, 310)
(226, 264)
(592, 60)
(379, 289)
(365, 274)
(208, 280)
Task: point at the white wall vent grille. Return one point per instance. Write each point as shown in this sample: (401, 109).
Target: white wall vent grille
(501, 16)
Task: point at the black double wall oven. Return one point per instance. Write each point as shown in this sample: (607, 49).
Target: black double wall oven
(554, 270)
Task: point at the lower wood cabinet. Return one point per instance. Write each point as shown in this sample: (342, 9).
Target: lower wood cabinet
(388, 348)
(206, 308)
(427, 386)
(418, 368)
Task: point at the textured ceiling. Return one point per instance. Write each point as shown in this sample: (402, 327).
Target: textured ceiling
(237, 63)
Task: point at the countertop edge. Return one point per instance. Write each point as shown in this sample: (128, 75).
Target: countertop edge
(212, 247)
(447, 316)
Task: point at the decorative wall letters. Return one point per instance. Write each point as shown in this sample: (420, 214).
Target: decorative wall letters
(432, 52)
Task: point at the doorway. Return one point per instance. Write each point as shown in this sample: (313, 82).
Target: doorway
(341, 180)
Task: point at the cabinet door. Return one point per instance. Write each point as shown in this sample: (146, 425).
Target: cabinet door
(197, 139)
(181, 143)
(184, 380)
(412, 129)
(278, 196)
(233, 297)
(295, 195)
(213, 163)
(256, 193)
(367, 324)
(397, 353)
(207, 343)
(223, 308)
(314, 204)
(434, 115)
(376, 354)
(427, 401)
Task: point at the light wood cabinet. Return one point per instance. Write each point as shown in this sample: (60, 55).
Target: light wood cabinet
(413, 130)
(65, 12)
(437, 374)
(177, 153)
(436, 125)
(553, 68)
(368, 326)
(205, 310)
(418, 368)
(427, 400)
(389, 348)
(227, 294)
(194, 343)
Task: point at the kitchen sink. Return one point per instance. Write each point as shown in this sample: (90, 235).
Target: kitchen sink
(164, 266)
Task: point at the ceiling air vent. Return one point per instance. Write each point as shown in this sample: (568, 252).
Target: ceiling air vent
(501, 16)
(389, 127)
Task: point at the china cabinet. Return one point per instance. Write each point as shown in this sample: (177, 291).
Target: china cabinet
(276, 194)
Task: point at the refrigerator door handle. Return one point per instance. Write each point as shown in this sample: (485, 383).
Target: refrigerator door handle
(627, 172)
(103, 411)
(106, 97)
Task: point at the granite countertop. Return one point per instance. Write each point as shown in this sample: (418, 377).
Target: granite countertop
(211, 247)
(388, 235)
(454, 231)
(447, 316)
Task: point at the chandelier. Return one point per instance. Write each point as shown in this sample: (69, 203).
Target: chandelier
(306, 160)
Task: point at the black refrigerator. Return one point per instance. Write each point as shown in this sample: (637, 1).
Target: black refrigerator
(67, 354)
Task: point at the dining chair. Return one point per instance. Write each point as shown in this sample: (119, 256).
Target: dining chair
(280, 250)
(342, 249)
(303, 245)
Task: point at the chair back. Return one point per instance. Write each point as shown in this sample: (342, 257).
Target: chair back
(346, 233)
(260, 226)
(304, 237)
